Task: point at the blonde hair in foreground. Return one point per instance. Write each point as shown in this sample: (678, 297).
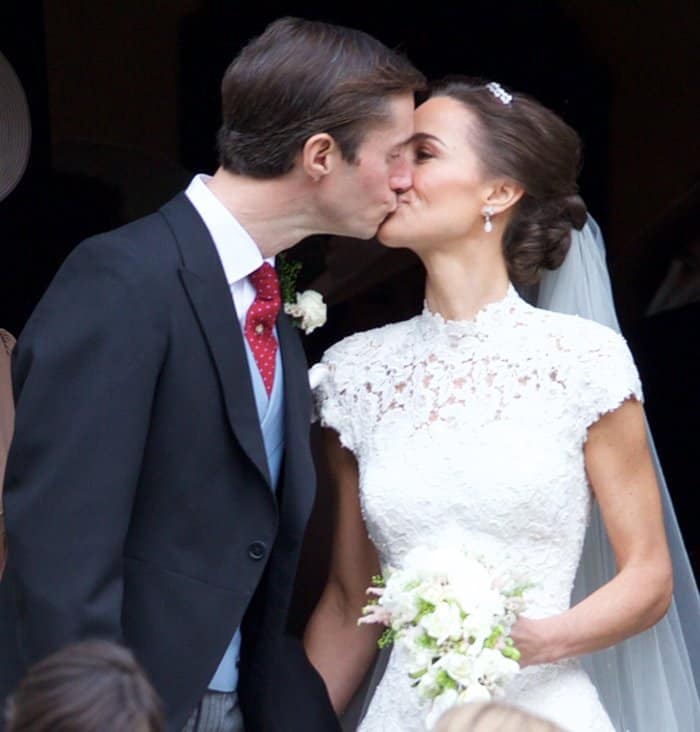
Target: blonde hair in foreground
(492, 717)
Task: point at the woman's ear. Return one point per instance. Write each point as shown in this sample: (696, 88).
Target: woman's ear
(318, 155)
(502, 195)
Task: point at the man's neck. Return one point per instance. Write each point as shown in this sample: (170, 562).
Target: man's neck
(274, 212)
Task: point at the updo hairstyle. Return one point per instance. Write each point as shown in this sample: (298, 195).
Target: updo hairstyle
(524, 141)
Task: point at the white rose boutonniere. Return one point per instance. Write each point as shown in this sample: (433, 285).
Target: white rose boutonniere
(309, 310)
(306, 308)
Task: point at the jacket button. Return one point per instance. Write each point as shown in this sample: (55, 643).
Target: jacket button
(256, 550)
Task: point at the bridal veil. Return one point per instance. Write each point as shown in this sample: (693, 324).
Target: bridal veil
(649, 682)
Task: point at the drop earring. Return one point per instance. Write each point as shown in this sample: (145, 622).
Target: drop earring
(487, 213)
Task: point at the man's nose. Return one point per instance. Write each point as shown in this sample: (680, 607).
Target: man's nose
(401, 178)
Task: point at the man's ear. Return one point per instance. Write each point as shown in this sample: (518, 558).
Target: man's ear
(318, 155)
(502, 195)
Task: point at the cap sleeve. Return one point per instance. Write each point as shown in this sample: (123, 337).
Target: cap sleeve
(334, 396)
(609, 376)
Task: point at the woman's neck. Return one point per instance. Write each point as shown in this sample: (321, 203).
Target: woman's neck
(462, 282)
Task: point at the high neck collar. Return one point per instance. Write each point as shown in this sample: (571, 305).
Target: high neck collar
(480, 325)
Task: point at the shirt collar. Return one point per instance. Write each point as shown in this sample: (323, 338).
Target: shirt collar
(238, 252)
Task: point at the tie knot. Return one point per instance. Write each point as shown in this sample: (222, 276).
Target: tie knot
(264, 280)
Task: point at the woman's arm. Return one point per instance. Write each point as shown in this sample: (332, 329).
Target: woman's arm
(339, 649)
(622, 476)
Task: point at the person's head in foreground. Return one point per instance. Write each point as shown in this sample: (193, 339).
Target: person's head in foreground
(492, 717)
(91, 686)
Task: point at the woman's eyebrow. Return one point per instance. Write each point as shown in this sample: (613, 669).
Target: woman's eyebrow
(425, 137)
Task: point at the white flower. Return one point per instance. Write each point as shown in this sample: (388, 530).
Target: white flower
(441, 704)
(474, 692)
(427, 684)
(477, 627)
(318, 373)
(402, 605)
(458, 666)
(309, 308)
(417, 658)
(443, 623)
(493, 668)
(471, 585)
(450, 616)
(433, 591)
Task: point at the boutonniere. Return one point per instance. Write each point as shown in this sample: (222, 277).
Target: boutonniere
(307, 309)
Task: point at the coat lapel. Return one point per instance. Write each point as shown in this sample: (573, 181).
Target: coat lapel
(299, 473)
(204, 280)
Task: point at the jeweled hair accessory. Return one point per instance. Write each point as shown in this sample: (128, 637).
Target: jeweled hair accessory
(499, 92)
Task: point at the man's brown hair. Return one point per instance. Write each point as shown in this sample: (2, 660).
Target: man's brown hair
(299, 78)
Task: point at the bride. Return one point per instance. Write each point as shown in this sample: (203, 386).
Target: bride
(507, 426)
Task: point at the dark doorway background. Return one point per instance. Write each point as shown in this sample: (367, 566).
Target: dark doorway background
(124, 104)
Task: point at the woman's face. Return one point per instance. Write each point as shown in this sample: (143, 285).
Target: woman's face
(449, 187)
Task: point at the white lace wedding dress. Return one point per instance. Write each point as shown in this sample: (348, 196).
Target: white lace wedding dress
(476, 428)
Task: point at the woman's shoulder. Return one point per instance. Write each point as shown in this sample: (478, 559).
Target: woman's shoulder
(592, 358)
(573, 334)
(368, 346)
(342, 399)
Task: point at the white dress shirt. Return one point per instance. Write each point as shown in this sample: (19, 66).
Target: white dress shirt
(238, 252)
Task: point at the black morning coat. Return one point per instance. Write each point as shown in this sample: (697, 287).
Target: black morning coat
(138, 500)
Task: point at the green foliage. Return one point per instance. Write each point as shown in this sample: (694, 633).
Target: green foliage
(444, 681)
(496, 633)
(426, 641)
(510, 651)
(518, 590)
(424, 608)
(386, 638)
(287, 273)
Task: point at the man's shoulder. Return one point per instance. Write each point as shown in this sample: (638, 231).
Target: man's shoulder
(147, 243)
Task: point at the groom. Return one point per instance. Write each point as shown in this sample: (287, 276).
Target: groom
(160, 479)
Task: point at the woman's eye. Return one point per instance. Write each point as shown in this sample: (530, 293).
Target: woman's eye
(421, 154)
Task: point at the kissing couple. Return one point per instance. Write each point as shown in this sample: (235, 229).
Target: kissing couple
(160, 478)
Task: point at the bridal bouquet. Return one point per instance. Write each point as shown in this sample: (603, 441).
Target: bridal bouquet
(450, 614)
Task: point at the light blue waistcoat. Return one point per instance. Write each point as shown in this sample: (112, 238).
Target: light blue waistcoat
(271, 416)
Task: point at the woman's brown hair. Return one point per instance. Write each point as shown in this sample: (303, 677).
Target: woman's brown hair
(524, 141)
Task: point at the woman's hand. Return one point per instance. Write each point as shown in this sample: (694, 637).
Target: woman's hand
(531, 637)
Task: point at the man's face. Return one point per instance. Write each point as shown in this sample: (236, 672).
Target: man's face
(362, 194)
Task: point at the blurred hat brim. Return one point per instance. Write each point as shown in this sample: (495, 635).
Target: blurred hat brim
(15, 129)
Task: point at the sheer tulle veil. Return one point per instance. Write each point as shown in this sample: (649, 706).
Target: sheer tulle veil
(649, 682)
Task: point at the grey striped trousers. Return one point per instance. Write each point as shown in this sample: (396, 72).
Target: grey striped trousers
(217, 712)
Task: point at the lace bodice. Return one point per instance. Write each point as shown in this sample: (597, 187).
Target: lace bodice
(475, 429)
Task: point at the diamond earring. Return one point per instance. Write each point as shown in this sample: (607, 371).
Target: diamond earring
(487, 213)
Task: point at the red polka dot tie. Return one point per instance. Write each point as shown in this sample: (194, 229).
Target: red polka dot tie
(260, 321)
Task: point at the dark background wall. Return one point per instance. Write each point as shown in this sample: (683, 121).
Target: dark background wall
(126, 93)
(124, 104)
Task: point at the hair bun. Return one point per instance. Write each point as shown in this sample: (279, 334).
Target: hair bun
(576, 211)
(539, 237)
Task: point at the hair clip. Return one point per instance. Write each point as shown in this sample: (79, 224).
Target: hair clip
(499, 92)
